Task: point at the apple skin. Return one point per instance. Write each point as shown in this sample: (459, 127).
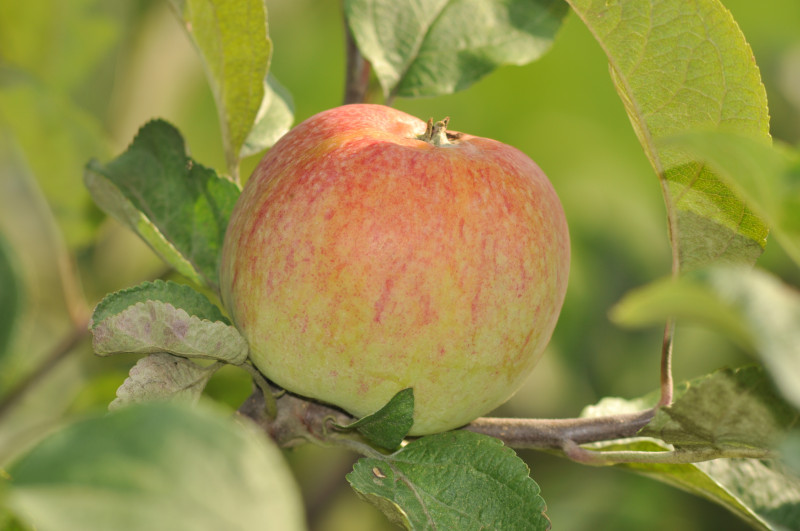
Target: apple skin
(361, 260)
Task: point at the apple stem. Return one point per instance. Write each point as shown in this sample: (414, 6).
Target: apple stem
(436, 133)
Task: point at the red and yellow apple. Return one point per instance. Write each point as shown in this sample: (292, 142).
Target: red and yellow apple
(369, 253)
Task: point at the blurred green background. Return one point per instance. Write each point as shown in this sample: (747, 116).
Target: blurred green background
(79, 77)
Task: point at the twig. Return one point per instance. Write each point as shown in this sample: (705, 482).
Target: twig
(666, 364)
(299, 421)
(541, 434)
(357, 73)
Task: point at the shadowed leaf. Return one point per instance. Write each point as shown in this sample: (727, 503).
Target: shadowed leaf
(178, 207)
(453, 480)
(388, 426)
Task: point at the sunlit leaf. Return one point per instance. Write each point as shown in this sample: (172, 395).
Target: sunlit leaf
(453, 480)
(235, 48)
(162, 376)
(177, 206)
(274, 118)
(680, 65)
(155, 466)
(768, 177)
(442, 46)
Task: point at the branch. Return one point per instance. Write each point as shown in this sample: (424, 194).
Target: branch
(296, 421)
(357, 73)
(541, 434)
(299, 421)
(666, 364)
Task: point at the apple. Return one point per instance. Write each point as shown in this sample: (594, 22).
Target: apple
(371, 252)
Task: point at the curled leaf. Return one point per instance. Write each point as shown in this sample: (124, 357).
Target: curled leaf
(162, 376)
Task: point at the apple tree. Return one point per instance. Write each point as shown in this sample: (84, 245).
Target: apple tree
(114, 242)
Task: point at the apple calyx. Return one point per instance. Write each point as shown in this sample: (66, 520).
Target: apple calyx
(436, 133)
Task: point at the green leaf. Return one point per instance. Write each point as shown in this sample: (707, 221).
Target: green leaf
(275, 118)
(790, 451)
(163, 376)
(180, 208)
(750, 306)
(683, 65)
(178, 295)
(762, 492)
(154, 326)
(769, 489)
(388, 426)
(768, 177)
(11, 296)
(155, 466)
(235, 48)
(728, 409)
(453, 480)
(442, 46)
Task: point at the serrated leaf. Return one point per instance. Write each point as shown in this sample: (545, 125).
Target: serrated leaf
(235, 48)
(155, 466)
(767, 176)
(683, 65)
(439, 47)
(154, 326)
(750, 306)
(453, 480)
(761, 492)
(388, 426)
(727, 409)
(178, 295)
(180, 208)
(163, 376)
(11, 296)
(275, 118)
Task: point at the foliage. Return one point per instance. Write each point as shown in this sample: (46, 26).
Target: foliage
(694, 96)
